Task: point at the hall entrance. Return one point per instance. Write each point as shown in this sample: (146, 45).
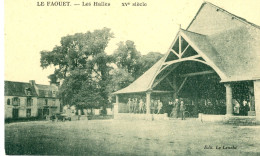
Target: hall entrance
(195, 83)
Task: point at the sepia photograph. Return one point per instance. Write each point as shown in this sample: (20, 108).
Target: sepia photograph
(131, 77)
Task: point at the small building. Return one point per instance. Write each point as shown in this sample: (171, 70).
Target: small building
(214, 64)
(25, 100)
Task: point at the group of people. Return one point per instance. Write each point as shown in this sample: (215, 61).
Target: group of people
(139, 106)
(177, 108)
(136, 106)
(243, 109)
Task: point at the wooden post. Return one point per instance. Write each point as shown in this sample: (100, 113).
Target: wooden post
(148, 102)
(257, 100)
(117, 99)
(116, 105)
(179, 45)
(175, 88)
(229, 107)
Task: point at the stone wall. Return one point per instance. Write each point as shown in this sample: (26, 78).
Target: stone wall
(235, 120)
(129, 116)
(241, 120)
(22, 107)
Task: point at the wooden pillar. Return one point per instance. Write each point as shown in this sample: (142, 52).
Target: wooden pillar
(175, 88)
(229, 107)
(116, 105)
(252, 98)
(257, 99)
(148, 102)
(117, 99)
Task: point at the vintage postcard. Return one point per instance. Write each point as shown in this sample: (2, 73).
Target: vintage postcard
(131, 77)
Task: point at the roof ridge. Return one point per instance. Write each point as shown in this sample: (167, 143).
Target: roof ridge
(224, 11)
(196, 15)
(16, 81)
(42, 85)
(194, 32)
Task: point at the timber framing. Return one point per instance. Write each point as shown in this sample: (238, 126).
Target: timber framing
(198, 73)
(206, 47)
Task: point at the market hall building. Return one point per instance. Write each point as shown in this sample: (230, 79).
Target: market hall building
(214, 65)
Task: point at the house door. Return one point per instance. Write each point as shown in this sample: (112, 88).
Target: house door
(15, 113)
(45, 112)
(40, 113)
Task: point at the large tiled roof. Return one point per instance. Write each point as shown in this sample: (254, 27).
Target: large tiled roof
(18, 88)
(46, 90)
(229, 42)
(235, 52)
(234, 41)
(143, 83)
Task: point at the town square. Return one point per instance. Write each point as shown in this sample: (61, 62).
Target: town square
(175, 78)
(126, 137)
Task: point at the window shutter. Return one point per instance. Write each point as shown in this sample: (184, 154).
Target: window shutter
(31, 101)
(12, 101)
(18, 101)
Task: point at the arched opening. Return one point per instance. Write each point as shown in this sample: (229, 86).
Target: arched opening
(196, 83)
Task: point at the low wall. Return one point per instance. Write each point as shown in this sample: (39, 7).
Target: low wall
(241, 120)
(211, 117)
(122, 108)
(236, 120)
(130, 116)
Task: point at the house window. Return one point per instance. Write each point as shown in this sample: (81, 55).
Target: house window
(46, 102)
(45, 111)
(53, 102)
(53, 93)
(29, 102)
(28, 113)
(28, 91)
(16, 101)
(8, 102)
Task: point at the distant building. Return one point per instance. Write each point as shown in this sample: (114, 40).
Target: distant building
(25, 100)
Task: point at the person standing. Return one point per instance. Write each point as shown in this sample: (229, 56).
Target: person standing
(129, 105)
(144, 106)
(135, 105)
(170, 108)
(141, 103)
(236, 108)
(79, 114)
(152, 106)
(247, 108)
(155, 106)
(244, 108)
(176, 108)
(182, 110)
(159, 106)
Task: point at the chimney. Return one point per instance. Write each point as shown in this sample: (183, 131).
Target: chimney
(57, 84)
(32, 82)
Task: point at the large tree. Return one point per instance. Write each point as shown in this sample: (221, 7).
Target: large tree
(120, 78)
(81, 90)
(130, 64)
(126, 57)
(81, 52)
(148, 60)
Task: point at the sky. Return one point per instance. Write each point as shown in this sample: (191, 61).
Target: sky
(29, 29)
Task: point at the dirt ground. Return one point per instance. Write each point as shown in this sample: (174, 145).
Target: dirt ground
(123, 137)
